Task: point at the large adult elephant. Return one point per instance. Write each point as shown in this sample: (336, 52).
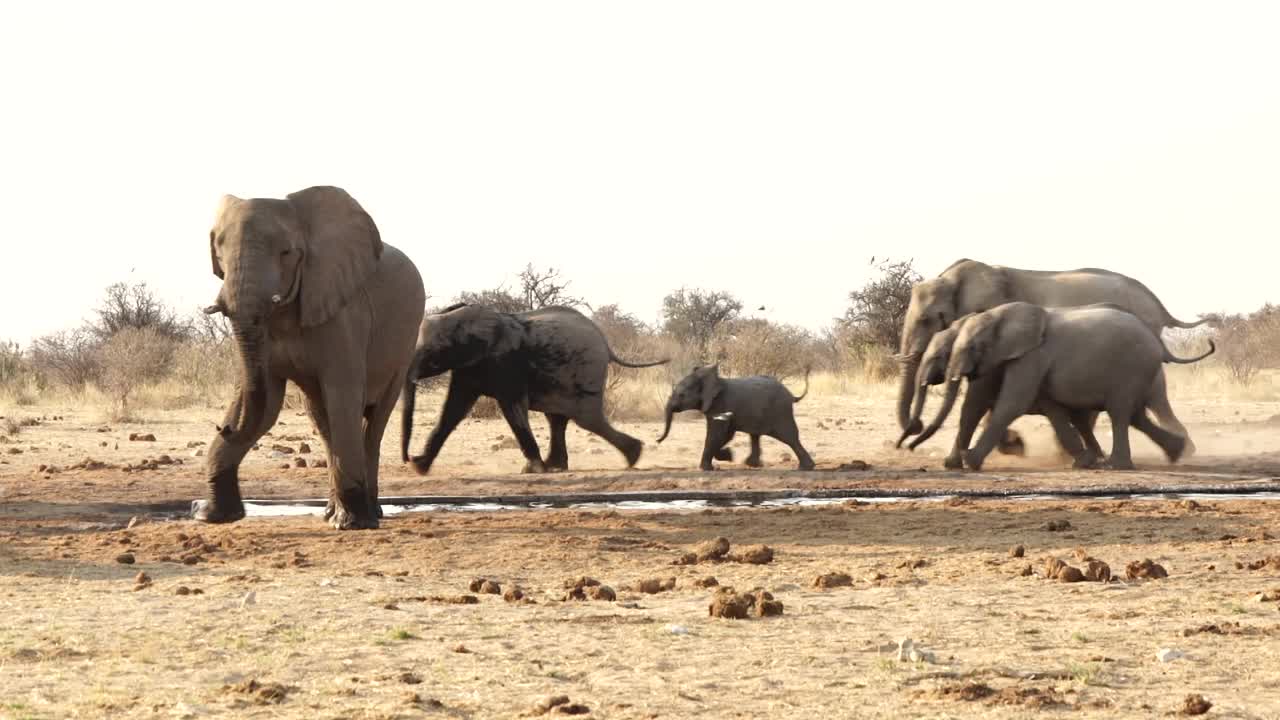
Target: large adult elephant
(553, 360)
(314, 296)
(970, 286)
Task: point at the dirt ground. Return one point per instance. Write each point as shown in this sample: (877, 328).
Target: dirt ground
(283, 617)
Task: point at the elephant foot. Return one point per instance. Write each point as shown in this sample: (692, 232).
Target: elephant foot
(725, 454)
(214, 512)
(1189, 449)
(421, 464)
(807, 465)
(1012, 444)
(1087, 461)
(753, 461)
(353, 511)
(554, 466)
(707, 467)
(954, 461)
(223, 504)
(632, 452)
(1177, 449)
(973, 461)
(534, 467)
(1124, 464)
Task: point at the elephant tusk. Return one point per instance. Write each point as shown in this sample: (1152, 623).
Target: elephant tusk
(275, 299)
(955, 379)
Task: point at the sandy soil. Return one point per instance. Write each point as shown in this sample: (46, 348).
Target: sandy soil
(282, 617)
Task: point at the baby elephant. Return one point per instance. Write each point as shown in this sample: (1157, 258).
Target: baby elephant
(756, 405)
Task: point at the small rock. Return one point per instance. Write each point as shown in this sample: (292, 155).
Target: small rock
(134, 522)
(141, 437)
(706, 582)
(1026, 571)
(250, 598)
(300, 462)
(461, 649)
(551, 703)
(182, 590)
(754, 555)
(1017, 551)
(304, 449)
(320, 463)
(141, 580)
(677, 630)
(485, 586)
(1070, 574)
(652, 586)
(1058, 525)
(712, 550)
(198, 452)
(513, 595)
(602, 593)
(1195, 705)
(905, 646)
(855, 466)
(1165, 655)
(1097, 571)
(282, 449)
(126, 559)
(1145, 570)
(833, 580)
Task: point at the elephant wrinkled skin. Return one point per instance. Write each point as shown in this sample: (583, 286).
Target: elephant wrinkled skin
(553, 360)
(970, 286)
(1063, 361)
(314, 296)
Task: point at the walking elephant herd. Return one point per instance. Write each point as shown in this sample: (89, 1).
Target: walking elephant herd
(314, 296)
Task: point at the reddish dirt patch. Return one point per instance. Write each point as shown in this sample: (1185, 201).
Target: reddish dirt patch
(727, 603)
(754, 555)
(1195, 705)
(262, 693)
(653, 586)
(833, 580)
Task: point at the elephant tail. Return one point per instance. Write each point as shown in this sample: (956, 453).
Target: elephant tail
(798, 398)
(1171, 358)
(1175, 322)
(624, 363)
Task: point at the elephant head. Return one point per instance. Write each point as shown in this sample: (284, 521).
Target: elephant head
(299, 259)
(986, 342)
(965, 287)
(696, 391)
(457, 337)
(932, 371)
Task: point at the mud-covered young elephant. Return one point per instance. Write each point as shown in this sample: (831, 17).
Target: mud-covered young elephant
(1098, 358)
(314, 296)
(553, 360)
(756, 405)
(970, 286)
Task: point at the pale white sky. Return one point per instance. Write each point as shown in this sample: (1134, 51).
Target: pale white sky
(768, 149)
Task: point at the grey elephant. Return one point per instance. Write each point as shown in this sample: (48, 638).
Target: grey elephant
(970, 286)
(979, 400)
(1064, 360)
(314, 296)
(553, 360)
(756, 405)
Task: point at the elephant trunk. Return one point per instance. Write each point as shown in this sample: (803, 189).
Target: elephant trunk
(250, 335)
(666, 429)
(953, 389)
(408, 398)
(917, 410)
(906, 390)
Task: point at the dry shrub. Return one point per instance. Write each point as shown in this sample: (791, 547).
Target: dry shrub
(130, 359)
(204, 372)
(68, 358)
(760, 347)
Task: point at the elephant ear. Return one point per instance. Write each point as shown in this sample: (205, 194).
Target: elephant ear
(341, 250)
(225, 205)
(711, 386)
(1019, 329)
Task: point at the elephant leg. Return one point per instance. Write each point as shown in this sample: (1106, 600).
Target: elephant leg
(457, 403)
(1159, 404)
(313, 399)
(719, 432)
(790, 434)
(376, 417)
(753, 460)
(977, 400)
(558, 455)
(517, 414)
(224, 504)
(1064, 429)
(1018, 393)
(1173, 445)
(345, 409)
(1083, 422)
(1121, 414)
(592, 420)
